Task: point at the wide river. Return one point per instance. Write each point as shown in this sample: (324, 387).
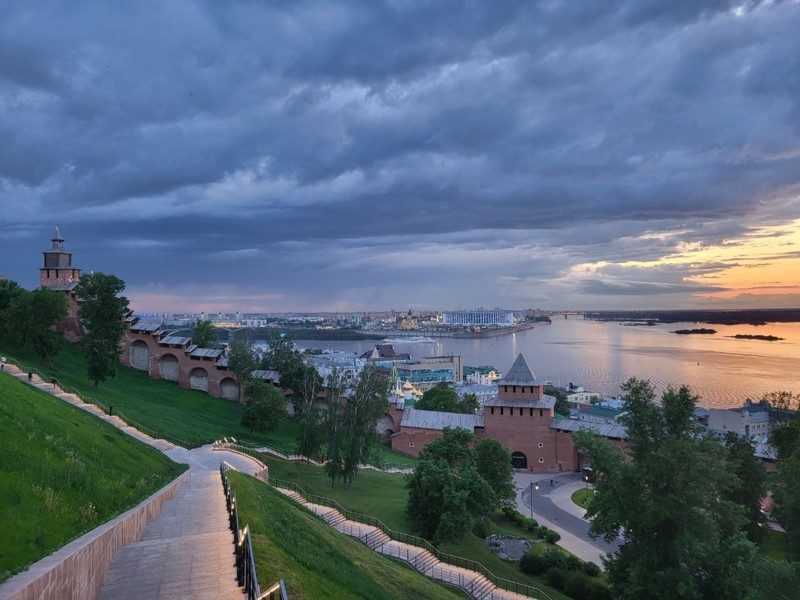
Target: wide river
(722, 370)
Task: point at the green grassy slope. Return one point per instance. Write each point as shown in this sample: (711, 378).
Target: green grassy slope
(189, 415)
(314, 560)
(63, 472)
(384, 496)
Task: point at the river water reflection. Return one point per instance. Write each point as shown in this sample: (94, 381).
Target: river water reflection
(600, 356)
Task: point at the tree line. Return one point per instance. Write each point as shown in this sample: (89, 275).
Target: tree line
(28, 321)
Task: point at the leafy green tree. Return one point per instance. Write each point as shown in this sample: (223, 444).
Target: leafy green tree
(494, 464)
(283, 357)
(8, 291)
(468, 404)
(772, 580)
(307, 413)
(101, 312)
(749, 485)
(786, 486)
(440, 397)
(682, 534)
(264, 408)
(446, 492)
(443, 398)
(783, 406)
(351, 424)
(30, 321)
(204, 334)
(241, 361)
(562, 404)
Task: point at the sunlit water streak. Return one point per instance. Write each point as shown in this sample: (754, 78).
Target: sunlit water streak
(600, 356)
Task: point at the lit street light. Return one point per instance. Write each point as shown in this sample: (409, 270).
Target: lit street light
(534, 486)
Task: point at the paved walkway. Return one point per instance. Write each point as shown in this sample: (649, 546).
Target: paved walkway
(553, 507)
(475, 584)
(187, 552)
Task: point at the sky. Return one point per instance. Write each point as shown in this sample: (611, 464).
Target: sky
(343, 155)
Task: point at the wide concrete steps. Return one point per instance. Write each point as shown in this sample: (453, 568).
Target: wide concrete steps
(475, 584)
(186, 552)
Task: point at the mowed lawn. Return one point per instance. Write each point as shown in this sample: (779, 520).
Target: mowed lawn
(63, 472)
(384, 496)
(316, 561)
(191, 416)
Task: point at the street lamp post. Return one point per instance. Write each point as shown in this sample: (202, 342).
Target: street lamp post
(534, 486)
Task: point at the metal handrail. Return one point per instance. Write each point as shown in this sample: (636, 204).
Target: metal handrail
(265, 448)
(399, 536)
(243, 549)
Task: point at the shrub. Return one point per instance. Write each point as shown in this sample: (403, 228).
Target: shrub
(509, 512)
(533, 564)
(591, 569)
(556, 577)
(482, 528)
(551, 536)
(573, 563)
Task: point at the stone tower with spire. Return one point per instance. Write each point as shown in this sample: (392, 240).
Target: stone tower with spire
(58, 274)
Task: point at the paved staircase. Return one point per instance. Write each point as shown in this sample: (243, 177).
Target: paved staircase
(186, 552)
(475, 584)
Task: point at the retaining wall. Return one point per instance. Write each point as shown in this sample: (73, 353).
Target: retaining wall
(77, 571)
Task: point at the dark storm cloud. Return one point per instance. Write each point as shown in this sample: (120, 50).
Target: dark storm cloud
(280, 149)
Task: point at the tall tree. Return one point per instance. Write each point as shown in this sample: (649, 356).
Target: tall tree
(307, 413)
(443, 398)
(283, 357)
(264, 408)
(682, 534)
(446, 491)
(494, 464)
(204, 334)
(786, 486)
(102, 310)
(749, 485)
(30, 320)
(241, 361)
(351, 424)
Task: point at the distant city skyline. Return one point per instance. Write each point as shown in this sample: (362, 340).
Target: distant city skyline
(352, 156)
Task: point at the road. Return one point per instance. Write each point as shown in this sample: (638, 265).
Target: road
(553, 507)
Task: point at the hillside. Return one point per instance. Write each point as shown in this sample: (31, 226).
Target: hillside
(316, 561)
(63, 472)
(191, 416)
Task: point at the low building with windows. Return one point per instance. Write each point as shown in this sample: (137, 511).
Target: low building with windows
(480, 316)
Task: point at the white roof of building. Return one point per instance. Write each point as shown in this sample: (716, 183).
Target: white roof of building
(434, 419)
(765, 451)
(604, 429)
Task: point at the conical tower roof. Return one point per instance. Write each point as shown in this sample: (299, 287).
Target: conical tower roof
(520, 374)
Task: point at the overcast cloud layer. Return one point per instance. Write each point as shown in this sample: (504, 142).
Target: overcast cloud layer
(355, 155)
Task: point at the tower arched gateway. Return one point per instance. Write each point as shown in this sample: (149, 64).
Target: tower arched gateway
(519, 460)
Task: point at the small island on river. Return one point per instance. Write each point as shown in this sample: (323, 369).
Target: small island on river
(702, 331)
(748, 336)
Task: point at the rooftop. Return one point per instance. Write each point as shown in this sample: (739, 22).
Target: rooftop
(434, 419)
(520, 374)
(604, 429)
(545, 402)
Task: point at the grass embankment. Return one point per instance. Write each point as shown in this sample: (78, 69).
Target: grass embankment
(316, 561)
(63, 472)
(191, 416)
(582, 497)
(384, 496)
